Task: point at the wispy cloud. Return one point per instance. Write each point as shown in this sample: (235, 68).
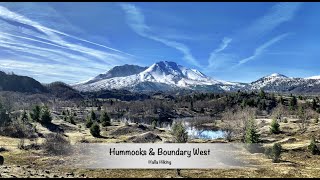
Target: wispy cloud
(213, 55)
(258, 51)
(31, 43)
(279, 13)
(136, 21)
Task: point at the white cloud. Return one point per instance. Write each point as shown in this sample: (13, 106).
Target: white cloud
(31, 43)
(258, 51)
(213, 55)
(279, 13)
(136, 21)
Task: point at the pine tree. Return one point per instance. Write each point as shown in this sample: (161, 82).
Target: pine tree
(276, 152)
(93, 116)
(105, 119)
(95, 130)
(89, 122)
(293, 103)
(314, 104)
(24, 117)
(45, 115)
(262, 94)
(252, 138)
(252, 135)
(179, 133)
(275, 127)
(35, 113)
(4, 116)
(313, 146)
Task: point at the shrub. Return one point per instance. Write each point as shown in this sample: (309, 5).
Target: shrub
(71, 119)
(316, 118)
(179, 133)
(2, 149)
(21, 144)
(275, 127)
(56, 144)
(17, 129)
(313, 146)
(89, 122)
(276, 152)
(285, 120)
(105, 119)
(95, 130)
(268, 152)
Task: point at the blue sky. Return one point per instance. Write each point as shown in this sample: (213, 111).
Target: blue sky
(239, 42)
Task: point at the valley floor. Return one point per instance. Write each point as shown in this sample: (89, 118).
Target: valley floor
(296, 160)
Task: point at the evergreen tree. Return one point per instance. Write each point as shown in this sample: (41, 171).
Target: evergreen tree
(4, 116)
(35, 113)
(313, 146)
(252, 135)
(276, 152)
(275, 127)
(281, 100)
(293, 103)
(89, 122)
(105, 119)
(45, 115)
(93, 116)
(71, 119)
(262, 94)
(24, 117)
(179, 133)
(95, 130)
(301, 112)
(314, 104)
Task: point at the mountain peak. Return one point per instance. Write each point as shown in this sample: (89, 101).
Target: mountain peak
(277, 75)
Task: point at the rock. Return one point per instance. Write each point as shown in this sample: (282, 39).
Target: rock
(1, 160)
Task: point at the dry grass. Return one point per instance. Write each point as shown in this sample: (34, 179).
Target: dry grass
(296, 161)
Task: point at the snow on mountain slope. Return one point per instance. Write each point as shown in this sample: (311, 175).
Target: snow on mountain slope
(313, 77)
(268, 80)
(162, 72)
(166, 75)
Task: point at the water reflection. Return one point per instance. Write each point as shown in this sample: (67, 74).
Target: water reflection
(196, 133)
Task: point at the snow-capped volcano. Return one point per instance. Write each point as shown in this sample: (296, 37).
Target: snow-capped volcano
(163, 74)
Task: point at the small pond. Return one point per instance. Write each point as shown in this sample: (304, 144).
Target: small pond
(201, 132)
(198, 133)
